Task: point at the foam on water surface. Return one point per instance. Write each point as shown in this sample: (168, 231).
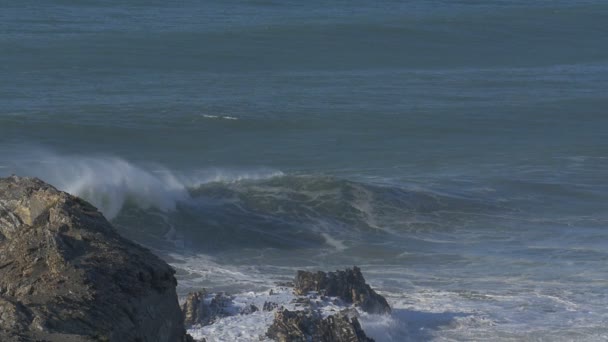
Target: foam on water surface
(253, 327)
(455, 262)
(224, 117)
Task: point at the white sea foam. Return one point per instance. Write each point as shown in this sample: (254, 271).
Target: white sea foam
(424, 314)
(215, 175)
(363, 202)
(253, 327)
(109, 182)
(202, 269)
(224, 117)
(337, 244)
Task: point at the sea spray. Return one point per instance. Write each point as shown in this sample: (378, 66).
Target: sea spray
(109, 182)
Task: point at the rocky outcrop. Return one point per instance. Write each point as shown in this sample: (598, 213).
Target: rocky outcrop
(249, 309)
(302, 326)
(67, 275)
(348, 285)
(269, 306)
(199, 311)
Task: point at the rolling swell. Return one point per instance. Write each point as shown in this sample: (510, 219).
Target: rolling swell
(218, 210)
(211, 211)
(290, 212)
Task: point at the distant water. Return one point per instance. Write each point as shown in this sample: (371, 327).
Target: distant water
(457, 151)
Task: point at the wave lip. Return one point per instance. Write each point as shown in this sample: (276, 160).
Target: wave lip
(110, 182)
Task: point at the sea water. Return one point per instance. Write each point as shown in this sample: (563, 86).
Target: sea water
(457, 151)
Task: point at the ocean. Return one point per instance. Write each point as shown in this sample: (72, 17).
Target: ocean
(456, 151)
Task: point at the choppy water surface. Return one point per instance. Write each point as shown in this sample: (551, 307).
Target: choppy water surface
(457, 151)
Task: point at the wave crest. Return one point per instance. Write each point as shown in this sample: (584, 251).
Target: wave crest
(110, 182)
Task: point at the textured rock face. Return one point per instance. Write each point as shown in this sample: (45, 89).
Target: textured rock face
(269, 306)
(67, 275)
(193, 307)
(303, 326)
(199, 312)
(348, 285)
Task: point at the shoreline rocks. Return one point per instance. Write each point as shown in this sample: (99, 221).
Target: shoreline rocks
(67, 275)
(317, 306)
(308, 325)
(200, 311)
(348, 285)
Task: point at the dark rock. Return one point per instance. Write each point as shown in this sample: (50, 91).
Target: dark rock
(67, 275)
(301, 326)
(249, 309)
(201, 312)
(348, 285)
(269, 306)
(302, 301)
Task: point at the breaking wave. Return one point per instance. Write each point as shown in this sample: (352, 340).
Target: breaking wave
(216, 210)
(110, 182)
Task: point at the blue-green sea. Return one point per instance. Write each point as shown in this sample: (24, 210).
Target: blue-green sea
(455, 150)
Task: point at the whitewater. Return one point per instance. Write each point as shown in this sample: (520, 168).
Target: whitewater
(456, 151)
(446, 276)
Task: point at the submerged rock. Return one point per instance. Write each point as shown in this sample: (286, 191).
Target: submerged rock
(67, 275)
(348, 285)
(308, 325)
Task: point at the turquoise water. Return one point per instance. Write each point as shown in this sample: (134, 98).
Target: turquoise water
(456, 150)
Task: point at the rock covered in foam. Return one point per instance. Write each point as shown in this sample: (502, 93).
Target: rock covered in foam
(308, 325)
(348, 285)
(67, 275)
(249, 309)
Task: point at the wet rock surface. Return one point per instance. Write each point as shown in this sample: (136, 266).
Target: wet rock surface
(269, 306)
(320, 307)
(348, 285)
(202, 308)
(67, 275)
(248, 310)
(308, 325)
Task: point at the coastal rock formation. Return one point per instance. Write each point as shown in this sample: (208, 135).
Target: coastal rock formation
(67, 275)
(269, 306)
(308, 325)
(249, 309)
(198, 311)
(348, 285)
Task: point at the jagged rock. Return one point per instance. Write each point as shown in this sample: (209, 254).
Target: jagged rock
(269, 306)
(249, 309)
(348, 285)
(193, 307)
(302, 326)
(67, 275)
(201, 312)
(302, 301)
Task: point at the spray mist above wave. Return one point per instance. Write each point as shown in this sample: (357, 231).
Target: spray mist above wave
(110, 182)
